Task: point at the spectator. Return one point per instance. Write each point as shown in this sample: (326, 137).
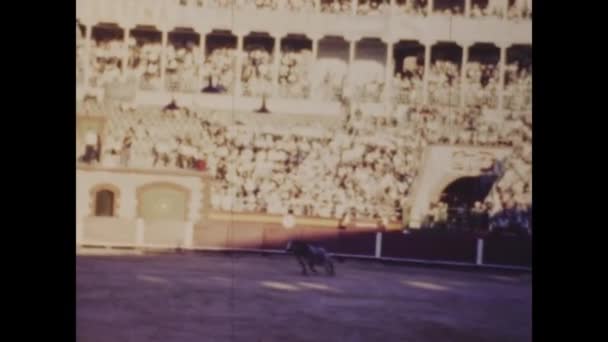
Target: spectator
(412, 7)
(289, 221)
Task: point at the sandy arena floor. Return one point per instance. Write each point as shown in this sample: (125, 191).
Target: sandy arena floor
(188, 298)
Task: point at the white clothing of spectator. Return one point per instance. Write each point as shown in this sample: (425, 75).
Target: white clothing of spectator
(289, 221)
(90, 138)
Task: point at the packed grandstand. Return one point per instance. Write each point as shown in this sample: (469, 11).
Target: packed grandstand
(364, 162)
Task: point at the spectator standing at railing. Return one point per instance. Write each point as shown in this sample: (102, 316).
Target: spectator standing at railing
(125, 151)
(92, 146)
(289, 221)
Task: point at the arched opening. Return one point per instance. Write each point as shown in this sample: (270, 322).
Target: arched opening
(368, 73)
(466, 191)
(182, 59)
(518, 78)
(220, 61)
(462, 203)
(408, 72)
(444, 78)
(330, 69)
(163, 201)
(295, 67)
(104, 203)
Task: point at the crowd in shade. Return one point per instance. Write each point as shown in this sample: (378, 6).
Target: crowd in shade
(257, 75)
(183, 72)
(329, 79)
(481, 85)
(514, 9)
(408, 84)
(105, 61)
(145, 62)
(218, 71)
(300, 78)
(519, 9)
(258, 4)
(363, 167)
(367, 79)
(294, 70)
(300, 6)
(488, 8)
(518, 87)
(444, 83)
(373, 7)
(336, 6)
(448, 7)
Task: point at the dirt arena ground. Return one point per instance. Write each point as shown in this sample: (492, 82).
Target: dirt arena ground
(188, 298)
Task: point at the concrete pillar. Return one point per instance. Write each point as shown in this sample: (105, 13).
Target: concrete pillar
(463, 68)
(239, 65)
(479, 255)
(427, 69)
(163, 57)
(315, 55)
(378, 249)
(388, 71)
(276, 63)
(501, 83)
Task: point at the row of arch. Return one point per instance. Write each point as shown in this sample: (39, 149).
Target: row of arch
(168, 201)
(483, 51)
(387, 55)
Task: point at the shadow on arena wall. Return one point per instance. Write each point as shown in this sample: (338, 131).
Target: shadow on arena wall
(423, 244)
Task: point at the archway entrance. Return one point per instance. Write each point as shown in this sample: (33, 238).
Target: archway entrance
(466, 191)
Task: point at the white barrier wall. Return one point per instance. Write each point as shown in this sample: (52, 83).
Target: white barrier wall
(169, 233)
(127, 181)
(109, 231)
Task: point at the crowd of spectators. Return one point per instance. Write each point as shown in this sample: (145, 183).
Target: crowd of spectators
(448, 7)
(488, 8)
(300, 6)
(105, 61)
(294, 69)
(411, 7)
(218, 70)
(408, 85)
(258, 4)
(257, 74)
(336, 6)
(514, 9)
(373, 7)
(363, 167)
(182, 72)
(367, 78)
(515, 219)
(145, 62)
(444, 83)
(481, 85)
(329, 79)
(518, 87)
(519, 9)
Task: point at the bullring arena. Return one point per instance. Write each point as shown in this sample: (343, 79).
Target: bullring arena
(396, 134)
(209, 297)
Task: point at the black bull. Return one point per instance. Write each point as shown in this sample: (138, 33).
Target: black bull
(311, 256)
